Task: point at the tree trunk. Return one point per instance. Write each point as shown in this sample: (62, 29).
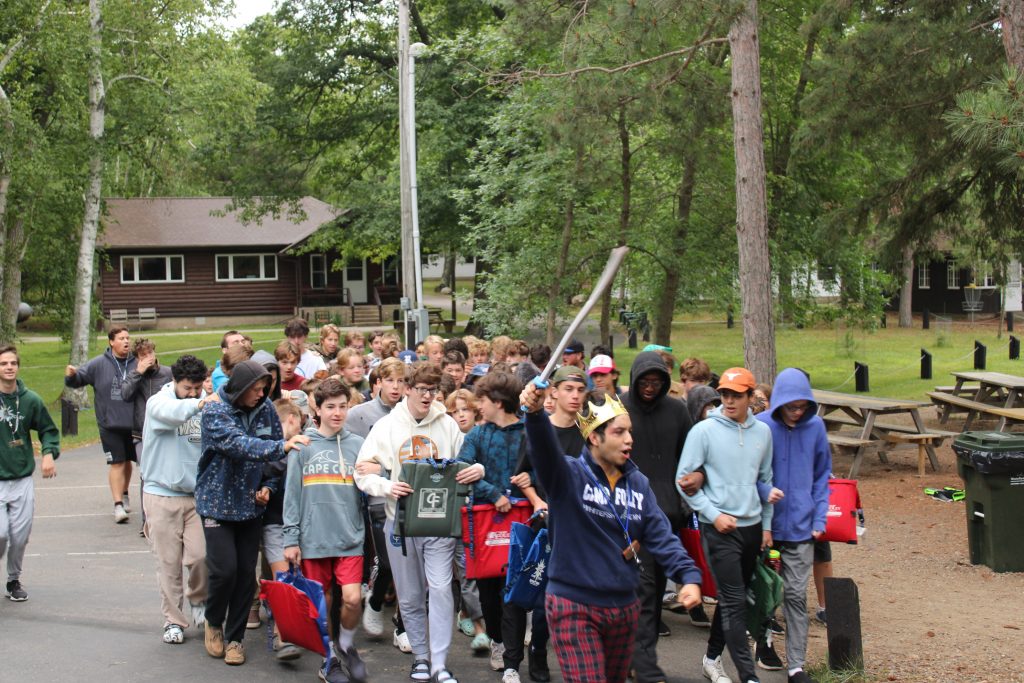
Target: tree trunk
(1011, 18)
(751, 206)
(448, 276)
(626, 160)
(673, 276)
(81, 328)
(555, 290)
(473, 326)
(14, 255)
(907, 287)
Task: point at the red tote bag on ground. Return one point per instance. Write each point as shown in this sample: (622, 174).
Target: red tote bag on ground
(486, 533)
(843, 511)
(690, 536)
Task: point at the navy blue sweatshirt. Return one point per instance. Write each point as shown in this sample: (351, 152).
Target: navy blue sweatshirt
(586, 559)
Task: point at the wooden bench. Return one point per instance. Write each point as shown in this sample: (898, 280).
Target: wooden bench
(436, 321)
(887, 426)
(974, 408)
(922, 441)
(147, 316)
(850, 442)
(965, 389)
(118, 316)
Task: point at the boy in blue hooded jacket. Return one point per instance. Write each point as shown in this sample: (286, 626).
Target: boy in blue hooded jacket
(801, 464)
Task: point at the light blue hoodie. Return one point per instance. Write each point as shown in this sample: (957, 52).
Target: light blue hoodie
(735, 457)
(171, 443)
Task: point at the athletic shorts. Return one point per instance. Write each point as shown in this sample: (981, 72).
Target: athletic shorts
(342, 570)
(822, 552)
(118, 445)
(273, 543)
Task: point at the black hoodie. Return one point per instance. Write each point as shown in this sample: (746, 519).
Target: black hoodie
(659, 431)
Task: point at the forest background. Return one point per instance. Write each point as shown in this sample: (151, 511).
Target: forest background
(549, 131)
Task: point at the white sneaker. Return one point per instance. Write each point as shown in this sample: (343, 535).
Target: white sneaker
(126, 503)
(714, 670)
(120, 514)
(199, 614)
(173, 634)
(401, 641)
(497, 660)
(510, 676)
(373, 621)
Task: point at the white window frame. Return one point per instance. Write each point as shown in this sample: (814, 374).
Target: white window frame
(231, 267)
(986, 276)
(313, 269)
(952, 275)
(134, 258)
(924, 276)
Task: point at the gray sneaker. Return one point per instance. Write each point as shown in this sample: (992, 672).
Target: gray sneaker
(15, 592)
(120, 514)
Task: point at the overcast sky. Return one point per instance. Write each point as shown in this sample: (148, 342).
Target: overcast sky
(247, 10)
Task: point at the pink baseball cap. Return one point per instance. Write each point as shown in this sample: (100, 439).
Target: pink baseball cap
(601, 364)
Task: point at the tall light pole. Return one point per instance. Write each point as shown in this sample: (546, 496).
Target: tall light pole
(412, 274)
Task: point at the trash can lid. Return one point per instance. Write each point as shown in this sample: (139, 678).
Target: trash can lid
(995, 442)
(991, 452)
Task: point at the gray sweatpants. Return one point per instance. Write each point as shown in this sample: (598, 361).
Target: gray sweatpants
(426, 568)
(17, 505)
(797, 563)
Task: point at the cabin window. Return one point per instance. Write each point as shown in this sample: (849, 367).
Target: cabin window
(952, 275)
(246, 267)
(148, 269)
(924, 277)
(318, 271)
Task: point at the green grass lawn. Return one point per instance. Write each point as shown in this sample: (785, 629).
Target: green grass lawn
(43, 363)
(892, 354)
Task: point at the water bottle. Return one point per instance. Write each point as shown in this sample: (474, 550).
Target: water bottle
(774, 560)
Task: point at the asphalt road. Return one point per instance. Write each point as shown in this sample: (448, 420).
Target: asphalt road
(93, 612)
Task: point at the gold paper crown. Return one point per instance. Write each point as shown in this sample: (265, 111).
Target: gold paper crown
(598, 415)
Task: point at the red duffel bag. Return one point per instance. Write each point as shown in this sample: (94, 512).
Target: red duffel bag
(486, 534)
(690, 536)
(843, 511)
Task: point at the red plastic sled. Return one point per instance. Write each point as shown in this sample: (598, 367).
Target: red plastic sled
(486, 534)
(843, 504)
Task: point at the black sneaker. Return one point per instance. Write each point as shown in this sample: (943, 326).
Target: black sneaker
(333, 673)
(663, 629)
(767, 657)
(537, 665)
(355, 665)
(699, 618)
(801, 677)
(15, 592)
(775, 627)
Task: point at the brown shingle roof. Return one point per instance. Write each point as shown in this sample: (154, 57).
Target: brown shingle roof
(192, 222)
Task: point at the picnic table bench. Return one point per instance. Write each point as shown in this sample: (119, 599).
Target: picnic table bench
(994, 390)
(838, 409)
(437, 321)
(145, 316)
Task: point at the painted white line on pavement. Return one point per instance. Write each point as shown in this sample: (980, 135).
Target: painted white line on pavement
(82, 514)
(69, 488)
(113, 552)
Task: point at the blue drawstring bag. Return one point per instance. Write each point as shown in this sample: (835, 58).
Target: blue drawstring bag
(528, 554)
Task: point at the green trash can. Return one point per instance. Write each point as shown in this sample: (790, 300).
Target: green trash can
(992, 467)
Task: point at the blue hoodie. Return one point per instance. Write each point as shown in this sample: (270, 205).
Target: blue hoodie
(586, 561)
(498, 449)
(801, 463)
(736, 458)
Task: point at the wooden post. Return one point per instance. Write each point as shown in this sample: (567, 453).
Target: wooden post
(845, 645)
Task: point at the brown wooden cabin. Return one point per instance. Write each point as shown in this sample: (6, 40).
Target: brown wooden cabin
(191, 260)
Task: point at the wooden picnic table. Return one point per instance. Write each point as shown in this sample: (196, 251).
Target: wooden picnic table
(995, 388)
(861, 412)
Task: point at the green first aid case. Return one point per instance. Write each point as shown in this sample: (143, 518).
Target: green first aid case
(434, 508)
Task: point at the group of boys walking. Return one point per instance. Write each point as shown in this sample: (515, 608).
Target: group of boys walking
(619, 477)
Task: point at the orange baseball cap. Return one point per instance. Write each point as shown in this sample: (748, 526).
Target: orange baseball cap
(739, 380)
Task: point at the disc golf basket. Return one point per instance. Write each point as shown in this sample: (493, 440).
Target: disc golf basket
(972, 300)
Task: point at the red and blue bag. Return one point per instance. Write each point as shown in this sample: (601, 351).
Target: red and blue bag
(298, 607)
(690, 536)
(486, 534)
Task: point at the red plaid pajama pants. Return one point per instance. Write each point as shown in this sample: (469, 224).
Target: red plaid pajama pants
(593, 644)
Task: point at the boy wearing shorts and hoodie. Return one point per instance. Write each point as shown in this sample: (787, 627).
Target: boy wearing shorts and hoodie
(323, 520)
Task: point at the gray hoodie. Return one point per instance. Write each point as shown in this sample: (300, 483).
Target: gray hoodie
(107, 374)
(322, 506)
(698, 397)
